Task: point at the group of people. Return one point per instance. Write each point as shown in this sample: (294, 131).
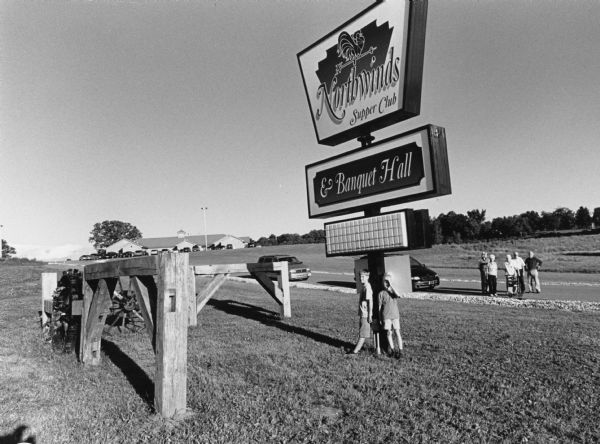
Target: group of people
(514, 270)
(386, 317)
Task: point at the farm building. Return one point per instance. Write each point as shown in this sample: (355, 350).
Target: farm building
(180, 241)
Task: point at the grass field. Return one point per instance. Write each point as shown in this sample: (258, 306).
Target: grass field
(471, 374)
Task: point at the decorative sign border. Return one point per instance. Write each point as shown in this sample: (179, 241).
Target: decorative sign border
(405, 168)
(367, 73)
(400, 230)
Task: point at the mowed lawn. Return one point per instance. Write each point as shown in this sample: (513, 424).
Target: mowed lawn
(470, 374)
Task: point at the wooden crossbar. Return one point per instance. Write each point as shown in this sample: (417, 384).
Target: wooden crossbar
(279, 291)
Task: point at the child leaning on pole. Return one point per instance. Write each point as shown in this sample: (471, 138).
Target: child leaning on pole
(390, 316)
(365, 313)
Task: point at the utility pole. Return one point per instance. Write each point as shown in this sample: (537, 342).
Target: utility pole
(205, 232)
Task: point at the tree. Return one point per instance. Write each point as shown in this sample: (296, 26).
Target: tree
(314, 237)
(7, 250)
(108, 232)
(596, 217)
(566, 218)
(583, 218)
(533, 220)
(289, 239)
(549, 221)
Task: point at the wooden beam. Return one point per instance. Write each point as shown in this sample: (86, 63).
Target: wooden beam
(135, 266)
(88, 294)
(170, 383)
(49, 283)
(280, 292)
(283, 283)
(145, 292)
(238, 268)
(96, 317)
(191, 291)
(210, 290)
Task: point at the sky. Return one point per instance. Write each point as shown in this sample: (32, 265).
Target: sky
(146, 112)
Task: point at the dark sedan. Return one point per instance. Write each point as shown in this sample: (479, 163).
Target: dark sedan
(422, 277)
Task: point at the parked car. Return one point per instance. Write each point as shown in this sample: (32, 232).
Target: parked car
(153, 252)
(111, 255)
(85, 257)
(422, 276)
(138, 253)
(297, 271)
(94, 257)
(127, 254)
(185, 250)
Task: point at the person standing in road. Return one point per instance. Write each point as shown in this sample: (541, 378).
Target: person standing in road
(532, 266)
(492, 275)
(511, 276)
(483, 272)
(519, 265)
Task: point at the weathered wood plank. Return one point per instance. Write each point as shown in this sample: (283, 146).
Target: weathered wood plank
(49, 283)
(191, 291)
(145, 291)
(238, 268)
(283, 293)
(88, 294)
(210, 290)
(135, 266)
(170, 384)
(267, 283)
(96, 318)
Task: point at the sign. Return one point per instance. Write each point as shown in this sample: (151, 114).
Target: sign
(402, 230)
(404, 168)
(366, 74)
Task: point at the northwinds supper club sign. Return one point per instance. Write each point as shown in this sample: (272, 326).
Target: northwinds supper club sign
(367, 73)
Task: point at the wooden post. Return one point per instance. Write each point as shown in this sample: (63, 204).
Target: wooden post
(191, 292)
(283, 284)
(49, 283)
(95, 317)
(170, 384)
(145, 290)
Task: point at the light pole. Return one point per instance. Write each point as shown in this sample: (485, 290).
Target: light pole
(205, 235)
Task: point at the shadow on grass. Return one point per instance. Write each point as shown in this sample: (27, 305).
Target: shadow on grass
(456, 290)
(20, 435)
(344, 284)
(137, 377)
(271, 319)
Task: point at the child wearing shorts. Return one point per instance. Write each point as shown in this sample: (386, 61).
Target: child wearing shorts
(390, 316)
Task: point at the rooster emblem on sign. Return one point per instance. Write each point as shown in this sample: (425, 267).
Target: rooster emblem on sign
(350, 48)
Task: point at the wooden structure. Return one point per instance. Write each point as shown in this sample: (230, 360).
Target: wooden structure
(165, 288)
(280, 292)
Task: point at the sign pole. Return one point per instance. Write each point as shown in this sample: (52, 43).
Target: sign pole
(376, 263)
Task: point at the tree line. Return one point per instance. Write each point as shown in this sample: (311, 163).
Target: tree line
(456, 228)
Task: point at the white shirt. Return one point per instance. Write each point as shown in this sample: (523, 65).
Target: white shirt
(518, 263)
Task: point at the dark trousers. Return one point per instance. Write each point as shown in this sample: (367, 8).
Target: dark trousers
(492, 283)
(484, 283)
(521, 279)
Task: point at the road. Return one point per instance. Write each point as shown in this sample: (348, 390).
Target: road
(555, 286)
